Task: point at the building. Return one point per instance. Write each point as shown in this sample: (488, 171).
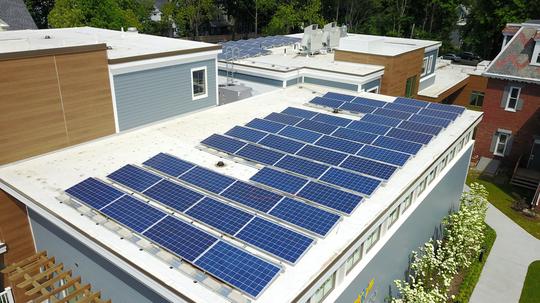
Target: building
(15, 16)
(268, 233)
(89, 83)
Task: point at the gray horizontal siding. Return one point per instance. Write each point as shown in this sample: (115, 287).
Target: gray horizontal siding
(331, 83)
(151, 95)
(252, 78)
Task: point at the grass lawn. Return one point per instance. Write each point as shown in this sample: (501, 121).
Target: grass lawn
(501, 196)
(531, 291)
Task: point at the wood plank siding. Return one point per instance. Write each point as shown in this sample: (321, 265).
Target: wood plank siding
(476, 83)
(51, 102)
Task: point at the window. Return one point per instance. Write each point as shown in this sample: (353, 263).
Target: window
(374, 90)
(199, 83)
(324, 290)
(502, 142)
(353, 259)
(372, 239)
(477, 98)
(406, 203)
(512, 100)
(393, 217)
(432, 176)
(421, 187)
(538, 58)
(409, 86)
(425, 66)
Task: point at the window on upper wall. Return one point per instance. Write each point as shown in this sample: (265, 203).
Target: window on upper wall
(374, 90)
(477, 98)
(409, 86)
(501, 144)
(372, 239)
(512, 99)
(199, 83)
(324, 290)
(425, 66)
(538, 58)
(406, 203)
(353, 259)
(394, 215)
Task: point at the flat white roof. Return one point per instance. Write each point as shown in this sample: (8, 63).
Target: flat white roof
(44, 178)
(382, 45)
(122, 44)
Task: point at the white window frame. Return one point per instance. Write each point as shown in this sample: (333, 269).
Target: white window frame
(507, 106)
(201, 96)
(425, 66)
(372, 239)
(373, 90)
(499, 142)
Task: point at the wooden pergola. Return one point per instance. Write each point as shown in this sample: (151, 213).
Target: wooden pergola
(41, 279)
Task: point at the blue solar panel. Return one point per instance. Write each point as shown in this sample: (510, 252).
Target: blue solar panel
(402, 107)
(384, 155)
(352, 181)
(338, 144)
(282, 144)
(322, 154)
(135, 178)
(329, 119)
(133, 213)
(398, 145)
(279, 180)
(169, 165)
(330, 197)
(369, 167)
(438, 114)
(302, 166)
(420, 127)
(94, 193)
(207, 179)
(392, 113)
(283, 118)
(298, 112)
(340, 97)
(367, 101)
(252, 196)
(447, 108)
(381, 120)
(332, 103)
(260, 154)
(280, 241)
(308, 217)
(238, 268)
(221, 216)
(357, 108)
(245, 133)
(181, 238)
(412, 102)
(223, 143)
(410, 135)
(300, 134)
(317, 126)
(173, 195)
(355, 135)
(369, 127)
(267, 126)
(430, 120)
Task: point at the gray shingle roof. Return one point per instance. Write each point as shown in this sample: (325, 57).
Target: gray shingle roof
(16, 15)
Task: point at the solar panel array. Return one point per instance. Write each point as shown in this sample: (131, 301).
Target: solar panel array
(254, 47)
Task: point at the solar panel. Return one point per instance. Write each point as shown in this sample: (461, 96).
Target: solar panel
(207, 179)
(369, 167)
(430, 120)
(340, 97)
(322, 154)
(282, 144)
(300, 134)
(369, 127)
(260, 154)
(317, 126)
(411, 102)
(279, 241)
(392, 113)
(169, 165)
(245, 133)
(238, 268)
(330, 197)
(338, 144)
(398, 145)
(409, 135)
(265, 125)
(381, 120)
(420, 127)
(384, 155)
(173, 195)
(332, 103)
(252, 196)
(367, 101)
(447, 108)
(133, 177)
(298, 112)
(355, 135)
(221, 216)
(352, 181)
(133, 213)
(223, 143)
(357, 108)
(279, 180)
(310, 218)
(329, 119)
(302, 166)
(438, 114)
(402, 107)
(94, 193)
(283, 118)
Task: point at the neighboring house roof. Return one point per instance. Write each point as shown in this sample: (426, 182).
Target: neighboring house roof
(513, 62)
(511, 30)
(159, 3)
(16, 15)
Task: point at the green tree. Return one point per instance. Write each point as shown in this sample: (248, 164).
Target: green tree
(292, 16)
(39, 10)
(195, 12)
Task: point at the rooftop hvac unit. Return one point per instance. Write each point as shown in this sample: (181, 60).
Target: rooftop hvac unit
(312, 40)
(331, 35)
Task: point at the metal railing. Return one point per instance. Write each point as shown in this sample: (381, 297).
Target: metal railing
(7, 296)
